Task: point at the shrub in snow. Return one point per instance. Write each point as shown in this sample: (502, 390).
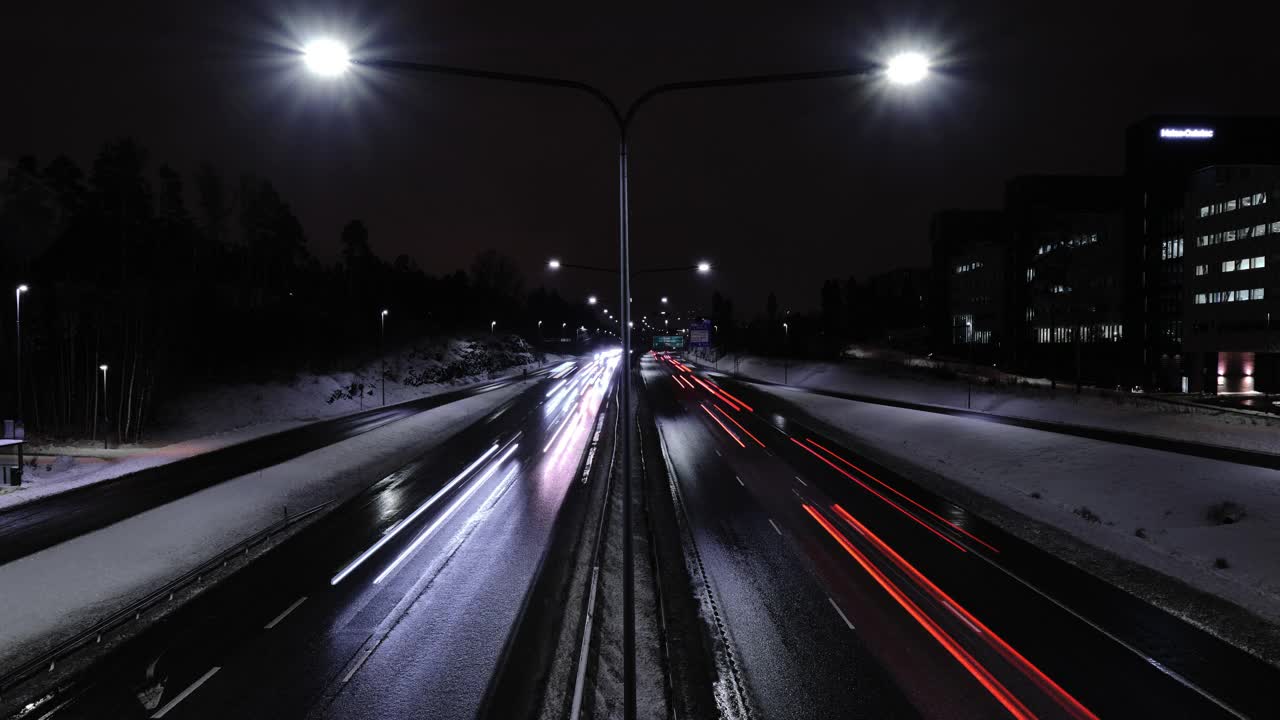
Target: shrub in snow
(1141, 532)
(1225, 513)
(1221, 564)
(1087, 514)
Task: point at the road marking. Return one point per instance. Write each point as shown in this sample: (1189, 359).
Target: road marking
(842, 615)
(580, 682)
(285, 614)
(718, 453)
(802, 482)
(797, 492)
(367, 654)
(735, 477)
(775, 526)
(183, 695)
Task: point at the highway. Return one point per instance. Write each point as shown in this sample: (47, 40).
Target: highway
(38, 524)
(848, 591)
(398, 604)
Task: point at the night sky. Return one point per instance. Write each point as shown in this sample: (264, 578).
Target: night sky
(781, 187)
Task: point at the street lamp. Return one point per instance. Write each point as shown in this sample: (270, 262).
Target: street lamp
(664, 299)
(591, 299)
(328, 57)
(382, 350)
(786, 350)
(17, 303)
(539, 330)
(103, 368)
(492, 324)
(553, 264)
(907, 68)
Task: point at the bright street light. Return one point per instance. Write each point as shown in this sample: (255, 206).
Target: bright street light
(591, 300)
(664, 299)
(326, 57)
(492, 324)
(554, 264)
(907, 68)
(704, 267)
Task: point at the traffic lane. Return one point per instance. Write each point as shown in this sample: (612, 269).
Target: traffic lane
(35, 525)
(210, 626)
(1066, 647)
(338, 643)
(918, 646)
(796, 654)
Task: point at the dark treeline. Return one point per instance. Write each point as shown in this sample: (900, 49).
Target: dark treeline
(886, 309)
(174, 281)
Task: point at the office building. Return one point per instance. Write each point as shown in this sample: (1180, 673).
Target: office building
(968, 313)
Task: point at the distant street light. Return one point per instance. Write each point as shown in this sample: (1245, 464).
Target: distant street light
(382, 350)
(103, 368)
(554, 264)
(492, 324)
(17, 302)
(786, 351)
(539, 330)
(591, 300)
(664, 299)
(704, 267)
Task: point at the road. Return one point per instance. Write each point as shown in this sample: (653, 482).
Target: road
(396, 605)
(847, 591)
(36, 525)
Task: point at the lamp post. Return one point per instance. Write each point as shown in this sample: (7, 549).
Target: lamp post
(539, 331)
(103, 368)
(17, 322)
(492, 324)
(328, 57)
(382, 350)
(786, 351)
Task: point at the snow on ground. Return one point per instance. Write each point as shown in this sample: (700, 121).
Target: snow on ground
(226, 415)
(51, 594)
(1051, 478)
(1117, 411)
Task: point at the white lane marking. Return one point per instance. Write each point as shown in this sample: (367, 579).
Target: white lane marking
(352, 671)
(401, 525)
(842, 615)
(718, 453)
(775, 526)
(580, 681)
(285, 614)
(183, 695)
(802, 482)
(797, 492)
(735, 477)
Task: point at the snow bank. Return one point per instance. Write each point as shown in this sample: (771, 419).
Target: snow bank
(53, 593)
(1112, 411)
(1054, 478)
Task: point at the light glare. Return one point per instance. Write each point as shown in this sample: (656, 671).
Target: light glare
(907, 68)
(326, 57)
(704, 267)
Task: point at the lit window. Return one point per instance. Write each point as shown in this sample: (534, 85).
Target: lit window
(1202, 270)
(1228, 265)
(1258, 293)
(1204, 210)
(1229, 206)
(1200, 298)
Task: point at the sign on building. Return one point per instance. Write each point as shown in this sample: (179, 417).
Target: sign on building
(700, 334)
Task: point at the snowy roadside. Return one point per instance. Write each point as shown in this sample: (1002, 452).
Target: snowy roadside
(61, 468)
(1249, 431)
(56, 592)
(1160, 510)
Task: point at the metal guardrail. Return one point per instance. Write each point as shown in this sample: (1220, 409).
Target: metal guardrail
(93, 635)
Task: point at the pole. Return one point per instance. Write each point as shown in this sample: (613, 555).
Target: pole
(382, 350)
(105, 420)
(624, 302)
(17, 300)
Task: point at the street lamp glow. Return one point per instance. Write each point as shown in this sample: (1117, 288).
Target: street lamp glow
(22, 288)
(664, 299)
(384, 313)
(326, 57)
(591, 300)
(554, 264)
(704, 267)
(103, 368)
(907, 68)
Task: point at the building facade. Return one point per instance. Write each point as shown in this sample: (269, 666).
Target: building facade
(969, 315)
(1072, 299)
(1232, 279)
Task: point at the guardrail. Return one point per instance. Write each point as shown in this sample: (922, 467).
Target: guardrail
(48, 660)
